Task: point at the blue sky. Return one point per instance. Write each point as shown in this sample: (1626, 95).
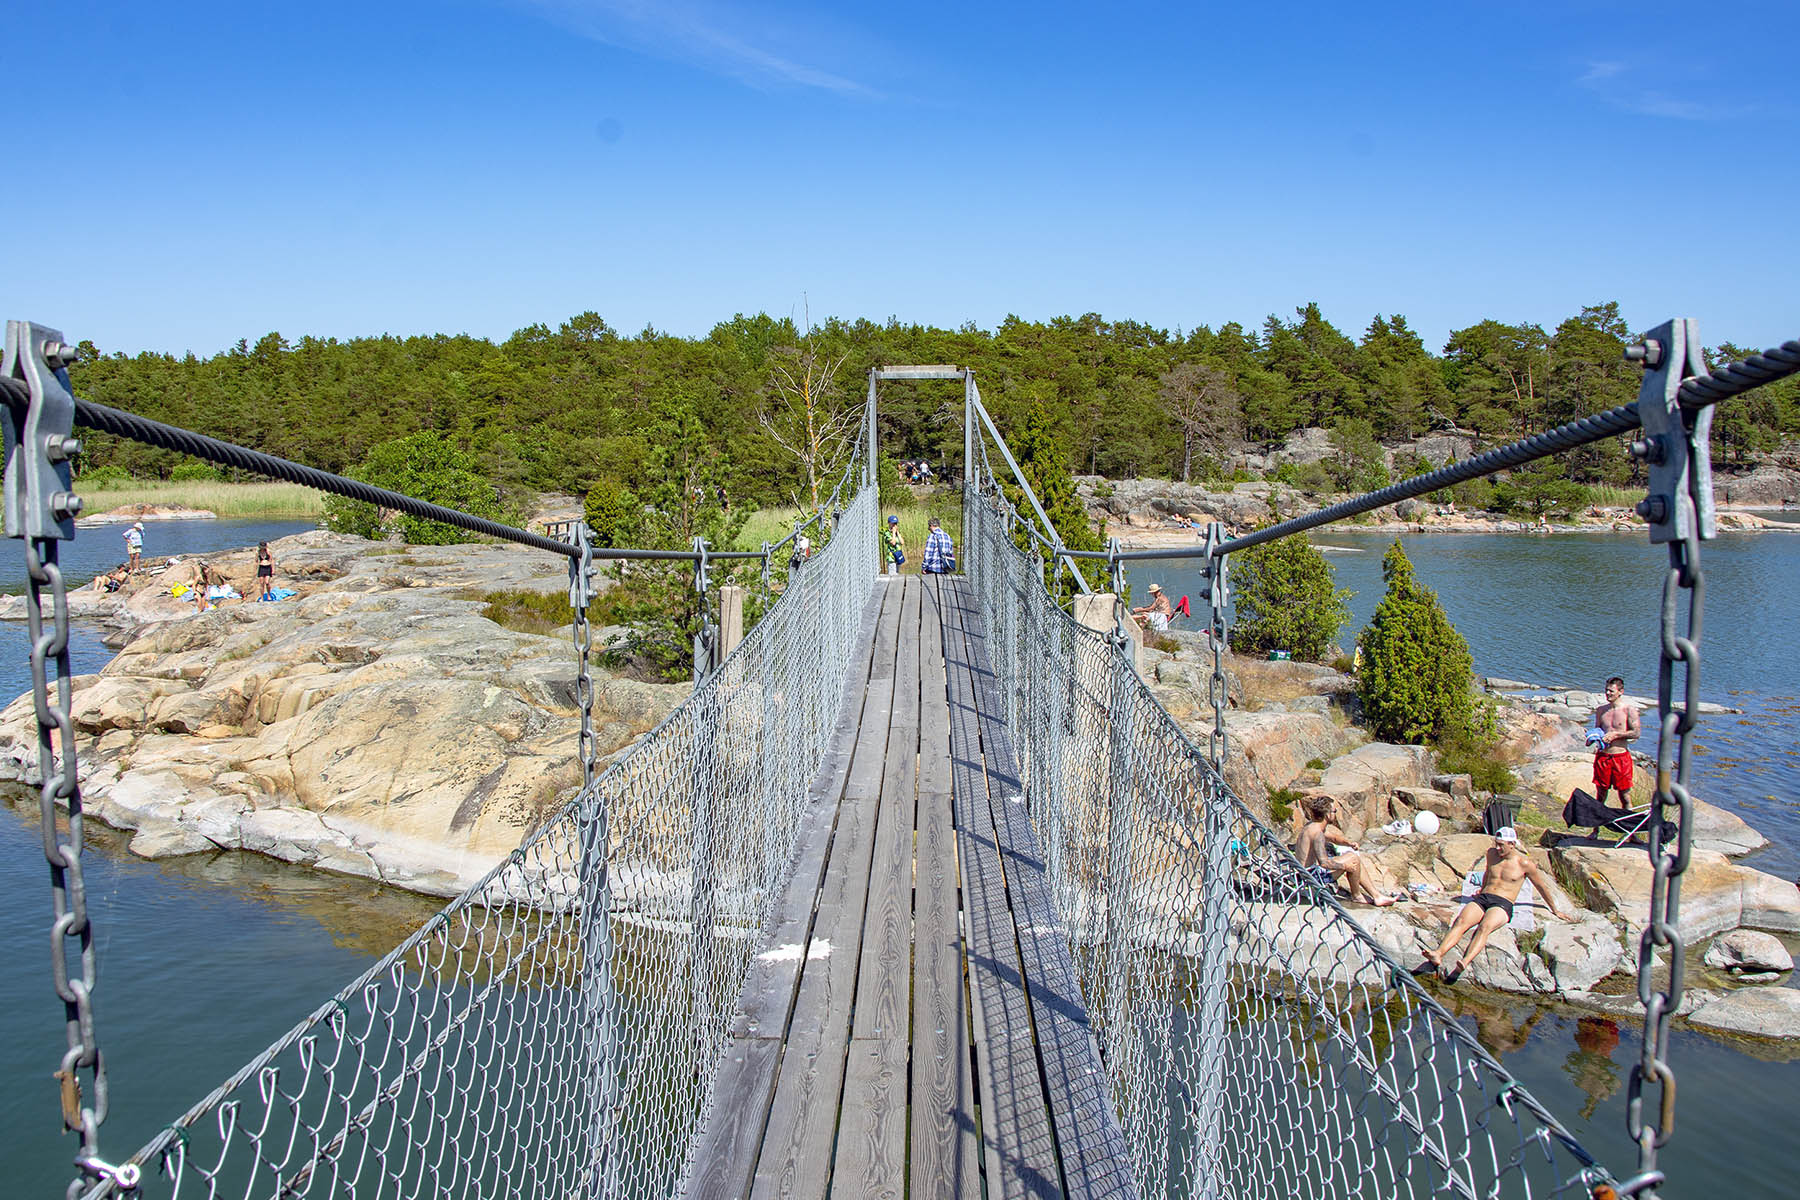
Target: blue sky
(186, 175)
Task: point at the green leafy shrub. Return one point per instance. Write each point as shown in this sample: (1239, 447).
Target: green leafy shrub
(1416, 669)
(1470, 749)
(613, 513)
(1475, 494)
(1286, 600)
(891, 490)
(1540, 490)
(195, 472)
(1282, 802)
(426, 466)
(101, 478)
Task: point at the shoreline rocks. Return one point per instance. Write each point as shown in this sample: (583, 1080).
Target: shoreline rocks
(126, 513)
(376, 724)
(1277, 740)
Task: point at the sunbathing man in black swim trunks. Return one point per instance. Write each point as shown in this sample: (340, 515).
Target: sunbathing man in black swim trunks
(1508, 867)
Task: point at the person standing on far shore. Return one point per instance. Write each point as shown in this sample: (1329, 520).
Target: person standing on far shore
(265, 571)
(1615, 723)
(134, 546)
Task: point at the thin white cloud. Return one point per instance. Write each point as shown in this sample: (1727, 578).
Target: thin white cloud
(1612, 82)
(1598, 71)
(696, 33)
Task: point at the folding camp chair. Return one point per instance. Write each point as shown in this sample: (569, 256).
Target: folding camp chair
(1585, 811)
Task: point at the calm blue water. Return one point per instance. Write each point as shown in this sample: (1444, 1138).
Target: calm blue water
(206, 960)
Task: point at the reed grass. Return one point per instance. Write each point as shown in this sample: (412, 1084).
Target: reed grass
(1607, 495)
(264, 500)
(773, 524)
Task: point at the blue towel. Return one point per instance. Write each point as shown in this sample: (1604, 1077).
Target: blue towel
(280, 594)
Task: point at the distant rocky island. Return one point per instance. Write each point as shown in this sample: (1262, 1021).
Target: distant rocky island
(1150, 512)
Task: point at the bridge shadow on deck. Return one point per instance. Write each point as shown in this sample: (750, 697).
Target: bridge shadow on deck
(913, 1026)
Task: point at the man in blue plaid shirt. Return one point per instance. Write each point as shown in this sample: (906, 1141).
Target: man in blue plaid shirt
(940, 554)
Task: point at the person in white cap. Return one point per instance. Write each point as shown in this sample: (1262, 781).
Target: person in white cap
(1507, 868)
(134, 546)
(1155, 614)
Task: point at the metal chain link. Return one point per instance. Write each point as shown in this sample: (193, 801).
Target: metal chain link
(581, 594)
(1673, 758)
(71, 931)
(1216, 687)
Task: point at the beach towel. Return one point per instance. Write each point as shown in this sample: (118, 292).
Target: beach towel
(1182, 608)
(179, 589)
(1523, 919)
(280, 594)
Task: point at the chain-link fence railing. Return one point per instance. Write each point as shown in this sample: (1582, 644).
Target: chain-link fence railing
(519, 1045)
(1259, 1042)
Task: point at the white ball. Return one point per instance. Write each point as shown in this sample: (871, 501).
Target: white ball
(1426, 823)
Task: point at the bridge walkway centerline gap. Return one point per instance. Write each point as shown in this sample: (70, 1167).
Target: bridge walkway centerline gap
(893, 1078)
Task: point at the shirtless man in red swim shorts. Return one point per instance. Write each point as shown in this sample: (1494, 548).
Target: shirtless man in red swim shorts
(1617, 721)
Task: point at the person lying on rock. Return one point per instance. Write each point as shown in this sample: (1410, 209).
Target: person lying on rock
(1507, 868)
(1317, 860)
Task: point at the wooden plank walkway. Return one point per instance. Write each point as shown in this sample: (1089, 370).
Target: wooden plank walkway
(913, 1027)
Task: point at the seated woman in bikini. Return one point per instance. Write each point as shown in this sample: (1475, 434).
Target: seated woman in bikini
(1322, 831)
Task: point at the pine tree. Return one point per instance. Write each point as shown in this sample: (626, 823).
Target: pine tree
(1415, 672)
(1285, 600)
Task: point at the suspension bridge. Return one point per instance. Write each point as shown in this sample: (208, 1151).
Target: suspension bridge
(920, 892)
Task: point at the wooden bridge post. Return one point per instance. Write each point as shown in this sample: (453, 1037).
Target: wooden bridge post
(731, 619)
(1097, 610)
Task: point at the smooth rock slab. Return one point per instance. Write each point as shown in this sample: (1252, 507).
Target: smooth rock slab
(1748, 950)
(1582, 952)
(1762, 1012)
(1716, 893)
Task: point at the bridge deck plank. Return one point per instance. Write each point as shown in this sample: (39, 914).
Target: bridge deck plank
(1090, 1143)
(1017, 1141)
(857, 1056)
(944, 1147)
(796, 1154)
(871, 1146)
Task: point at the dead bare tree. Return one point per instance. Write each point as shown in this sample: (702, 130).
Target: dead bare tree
(806, 414)
(1202, 401)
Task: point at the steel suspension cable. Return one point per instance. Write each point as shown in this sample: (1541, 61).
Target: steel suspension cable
(169, 437)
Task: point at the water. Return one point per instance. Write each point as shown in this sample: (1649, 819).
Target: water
(99, 549)
(205, 960)
(1570, 610)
